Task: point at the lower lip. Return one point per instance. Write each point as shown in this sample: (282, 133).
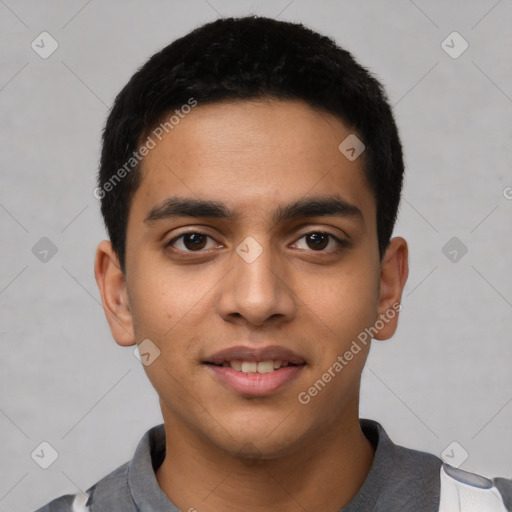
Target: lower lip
(255, 384)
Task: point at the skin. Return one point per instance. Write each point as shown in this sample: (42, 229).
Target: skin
(226, 451)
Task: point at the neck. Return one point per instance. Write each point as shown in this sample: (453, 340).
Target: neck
(322, 477)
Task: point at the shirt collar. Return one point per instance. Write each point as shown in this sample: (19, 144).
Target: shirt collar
(150, 453)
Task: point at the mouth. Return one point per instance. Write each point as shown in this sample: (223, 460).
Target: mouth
(255, 372)
(254, 366)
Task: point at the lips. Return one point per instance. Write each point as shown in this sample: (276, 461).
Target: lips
(247, 354)
(255, 372)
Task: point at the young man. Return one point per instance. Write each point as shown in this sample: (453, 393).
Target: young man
(250, 179)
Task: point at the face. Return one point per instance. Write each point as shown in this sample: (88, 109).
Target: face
(252, 264)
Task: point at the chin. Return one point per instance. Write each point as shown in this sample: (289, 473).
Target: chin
(261, 442)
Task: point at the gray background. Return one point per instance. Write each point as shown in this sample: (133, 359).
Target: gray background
(445, 376)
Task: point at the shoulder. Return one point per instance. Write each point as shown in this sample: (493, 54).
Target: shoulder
(407, 466)
(419, 480)
(115, 490)
(111, 491)
(457, 490)
(462, 490)
(416, 484)
(67, 503)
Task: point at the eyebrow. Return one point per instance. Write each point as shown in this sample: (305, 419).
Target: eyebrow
(306, 207)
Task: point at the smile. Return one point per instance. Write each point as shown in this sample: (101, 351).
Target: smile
(255, 367)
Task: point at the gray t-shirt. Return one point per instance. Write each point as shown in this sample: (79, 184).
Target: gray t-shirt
(399, 479)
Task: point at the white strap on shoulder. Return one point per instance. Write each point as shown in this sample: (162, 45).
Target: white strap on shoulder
(79, 503)
(462, 491)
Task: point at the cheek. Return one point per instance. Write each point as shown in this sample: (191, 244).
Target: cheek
(160, 301)
(343, 303)
(168, 310)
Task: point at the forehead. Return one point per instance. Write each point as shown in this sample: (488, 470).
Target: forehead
(252, 155)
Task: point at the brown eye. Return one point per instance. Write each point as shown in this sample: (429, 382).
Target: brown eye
(190, 242)
(318, 241)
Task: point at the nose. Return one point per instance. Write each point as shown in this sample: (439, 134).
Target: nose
(256, 291)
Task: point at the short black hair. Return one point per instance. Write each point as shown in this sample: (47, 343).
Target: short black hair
(248, 58)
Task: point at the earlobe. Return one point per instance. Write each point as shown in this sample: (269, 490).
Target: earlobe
(394, 272)
(111, 283)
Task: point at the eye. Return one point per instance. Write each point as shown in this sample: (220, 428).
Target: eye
(191, 241)
(319, 240)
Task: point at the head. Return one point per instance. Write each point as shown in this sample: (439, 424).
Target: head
(237, 132)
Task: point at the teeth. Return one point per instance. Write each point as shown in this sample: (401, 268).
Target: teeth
(265, 366)
(249, 367)
(254, 367)
(236, 365)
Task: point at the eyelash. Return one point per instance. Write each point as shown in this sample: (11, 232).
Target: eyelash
(341, 243)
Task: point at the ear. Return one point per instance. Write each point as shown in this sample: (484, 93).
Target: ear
(393, 275)
(112, 286)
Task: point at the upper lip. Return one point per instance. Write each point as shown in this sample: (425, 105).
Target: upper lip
(244, 353)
